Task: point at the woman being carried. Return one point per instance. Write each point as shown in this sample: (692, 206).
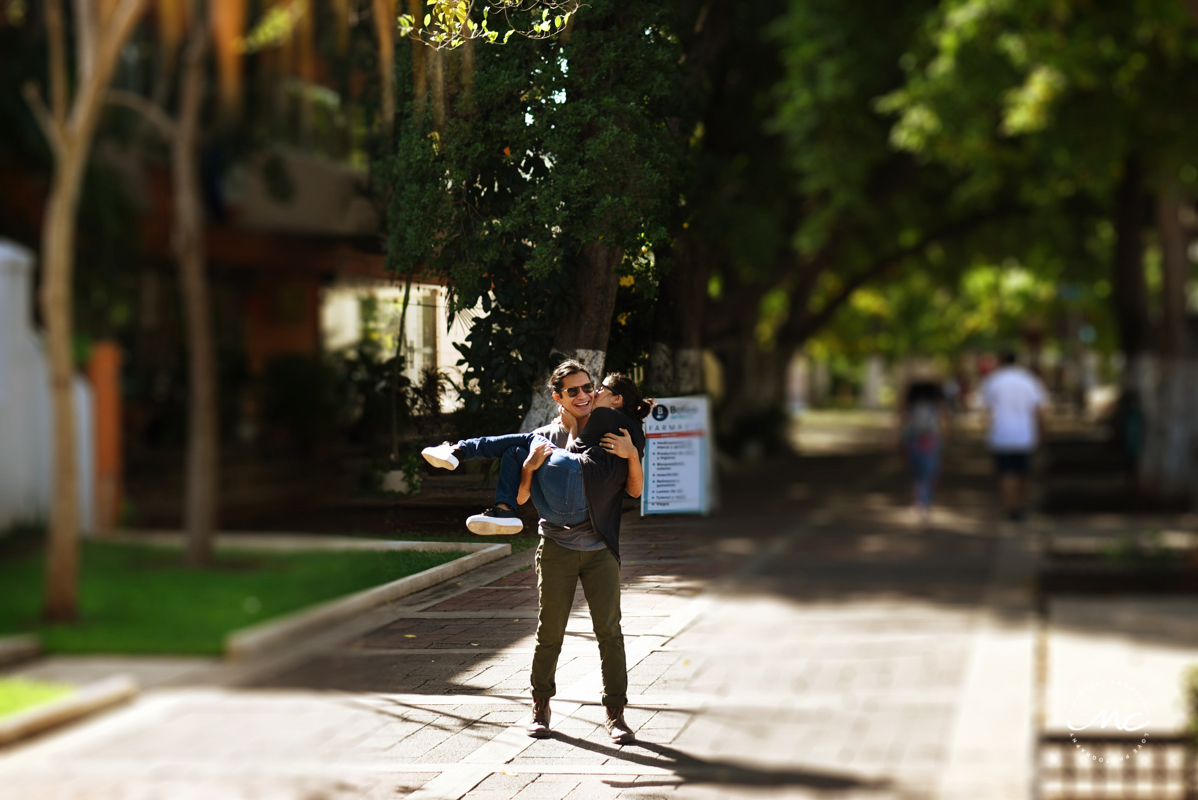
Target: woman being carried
(569, 484)
(579, 491)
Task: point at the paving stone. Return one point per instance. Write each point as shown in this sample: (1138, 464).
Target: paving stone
(501, 782)
(549, 787)
(597, 789)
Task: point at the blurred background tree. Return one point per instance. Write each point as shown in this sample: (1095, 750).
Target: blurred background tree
(1085, 115)
(659, 187)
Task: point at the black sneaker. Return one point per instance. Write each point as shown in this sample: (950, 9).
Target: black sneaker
(495, 521)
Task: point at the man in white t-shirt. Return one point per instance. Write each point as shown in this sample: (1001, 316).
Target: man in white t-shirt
(1015, 400)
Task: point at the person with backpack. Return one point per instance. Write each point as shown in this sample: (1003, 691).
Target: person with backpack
(924, 426)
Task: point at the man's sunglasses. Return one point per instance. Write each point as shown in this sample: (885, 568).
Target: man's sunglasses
(573, 391)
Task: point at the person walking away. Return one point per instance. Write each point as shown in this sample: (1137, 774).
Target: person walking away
(1015, 401)
(924, 425)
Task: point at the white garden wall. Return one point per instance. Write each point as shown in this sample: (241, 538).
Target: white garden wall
(25, 425)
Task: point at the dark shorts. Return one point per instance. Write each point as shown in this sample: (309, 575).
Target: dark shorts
(1017, 463)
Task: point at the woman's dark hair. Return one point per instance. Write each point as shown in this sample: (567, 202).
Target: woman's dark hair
(626, 388)
(564, 370)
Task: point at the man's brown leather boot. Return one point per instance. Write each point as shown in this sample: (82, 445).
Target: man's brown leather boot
(539, 727)
(617, 728)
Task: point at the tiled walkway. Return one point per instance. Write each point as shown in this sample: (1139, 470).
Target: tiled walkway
(807, 642)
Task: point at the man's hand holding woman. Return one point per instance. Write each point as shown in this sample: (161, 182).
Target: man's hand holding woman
(536, 457)
(621, 446)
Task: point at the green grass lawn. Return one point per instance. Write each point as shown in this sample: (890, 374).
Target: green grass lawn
(141, 599)
(18, 694)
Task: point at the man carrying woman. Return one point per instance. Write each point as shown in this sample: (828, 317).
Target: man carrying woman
(576, 470)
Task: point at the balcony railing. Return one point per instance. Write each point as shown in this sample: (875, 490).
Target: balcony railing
(1112, 768)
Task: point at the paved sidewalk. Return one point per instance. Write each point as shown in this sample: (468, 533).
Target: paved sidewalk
(809, 641)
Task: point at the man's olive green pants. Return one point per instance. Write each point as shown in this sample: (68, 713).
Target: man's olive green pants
(559, 570)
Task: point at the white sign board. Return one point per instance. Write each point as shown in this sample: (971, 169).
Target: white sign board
(678, 465)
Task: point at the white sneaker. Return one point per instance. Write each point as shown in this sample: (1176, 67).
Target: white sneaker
(441, 456)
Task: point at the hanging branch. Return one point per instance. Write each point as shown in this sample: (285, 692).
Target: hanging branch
(148, 109)
(56, 43)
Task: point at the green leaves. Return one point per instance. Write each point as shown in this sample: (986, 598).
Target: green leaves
(1026, 107)
(548, 156)
(451, 23)
(1043, 98)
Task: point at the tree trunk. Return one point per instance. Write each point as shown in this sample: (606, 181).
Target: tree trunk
(1166, 472)
(675, 354)
(203, 435)
(70, 132)
(85, 37)
(419, 61)
(436, 76)
(384, 23)
(58, 250)
(228, 27)
(305, 46)
(752, 413)
(1130, 293)
(582, 335)
(467, 76)
(1175, 269)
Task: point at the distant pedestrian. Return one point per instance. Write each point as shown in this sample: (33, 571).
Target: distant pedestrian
(952, 394)
(1015, 400)
(923, 425)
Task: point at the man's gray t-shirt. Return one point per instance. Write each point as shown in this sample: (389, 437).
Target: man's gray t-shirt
(575, 537)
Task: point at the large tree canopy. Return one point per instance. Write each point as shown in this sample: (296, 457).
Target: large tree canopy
(1079, 110)
(557, 155)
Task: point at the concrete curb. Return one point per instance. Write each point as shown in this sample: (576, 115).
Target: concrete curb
(268, 637)
(88, 700)
(18, 648)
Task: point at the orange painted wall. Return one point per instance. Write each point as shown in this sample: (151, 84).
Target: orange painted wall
(104, 372)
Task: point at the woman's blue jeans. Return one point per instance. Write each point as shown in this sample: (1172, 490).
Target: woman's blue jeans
(557, 489)
(925, 468)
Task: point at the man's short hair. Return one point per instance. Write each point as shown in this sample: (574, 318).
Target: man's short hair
(1006, 358)
(564, 370)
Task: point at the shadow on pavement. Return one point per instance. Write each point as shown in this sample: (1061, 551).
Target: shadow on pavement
(691, 769)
